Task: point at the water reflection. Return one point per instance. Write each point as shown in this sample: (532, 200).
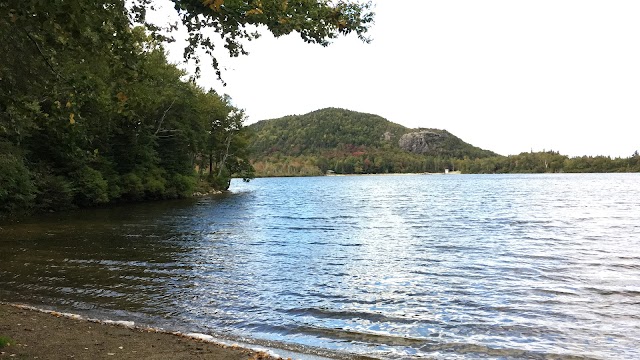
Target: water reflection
(450, 266)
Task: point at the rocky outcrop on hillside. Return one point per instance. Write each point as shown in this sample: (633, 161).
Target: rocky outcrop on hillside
(422, 142)
(323, 138)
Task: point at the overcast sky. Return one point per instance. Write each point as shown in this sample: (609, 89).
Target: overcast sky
(505, 75)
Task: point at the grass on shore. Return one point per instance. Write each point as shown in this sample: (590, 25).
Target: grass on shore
(5, 341)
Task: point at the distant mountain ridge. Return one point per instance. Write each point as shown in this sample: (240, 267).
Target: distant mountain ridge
(347, 141)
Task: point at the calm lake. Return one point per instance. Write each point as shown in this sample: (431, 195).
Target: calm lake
(451, 267)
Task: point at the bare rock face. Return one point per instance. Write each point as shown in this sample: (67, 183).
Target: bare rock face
(421, 142)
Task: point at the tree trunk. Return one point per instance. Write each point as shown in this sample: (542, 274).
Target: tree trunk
(210, 164)
(224, 158)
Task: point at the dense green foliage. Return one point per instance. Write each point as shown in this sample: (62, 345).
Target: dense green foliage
(91, 113)
(348, 142)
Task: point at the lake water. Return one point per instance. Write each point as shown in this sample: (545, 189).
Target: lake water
(451, 267)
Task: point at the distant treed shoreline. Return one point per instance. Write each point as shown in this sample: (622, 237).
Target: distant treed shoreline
(524, 163)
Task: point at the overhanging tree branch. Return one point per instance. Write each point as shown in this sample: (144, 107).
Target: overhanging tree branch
(44, 57)
(163, 116)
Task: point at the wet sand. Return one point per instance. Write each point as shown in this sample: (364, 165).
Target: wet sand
(39, 335)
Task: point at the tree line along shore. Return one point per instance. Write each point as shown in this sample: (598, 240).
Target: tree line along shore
(92, 113)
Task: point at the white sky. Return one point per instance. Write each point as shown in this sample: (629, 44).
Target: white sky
(504, 75)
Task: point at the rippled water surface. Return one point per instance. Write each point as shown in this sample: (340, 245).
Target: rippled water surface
(493, 266)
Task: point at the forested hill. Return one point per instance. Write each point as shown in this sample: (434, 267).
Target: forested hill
(349, 142)
(346, 141)
(321, 130)
(331, 128)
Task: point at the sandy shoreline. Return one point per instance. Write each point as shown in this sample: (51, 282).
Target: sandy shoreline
(40, 335)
